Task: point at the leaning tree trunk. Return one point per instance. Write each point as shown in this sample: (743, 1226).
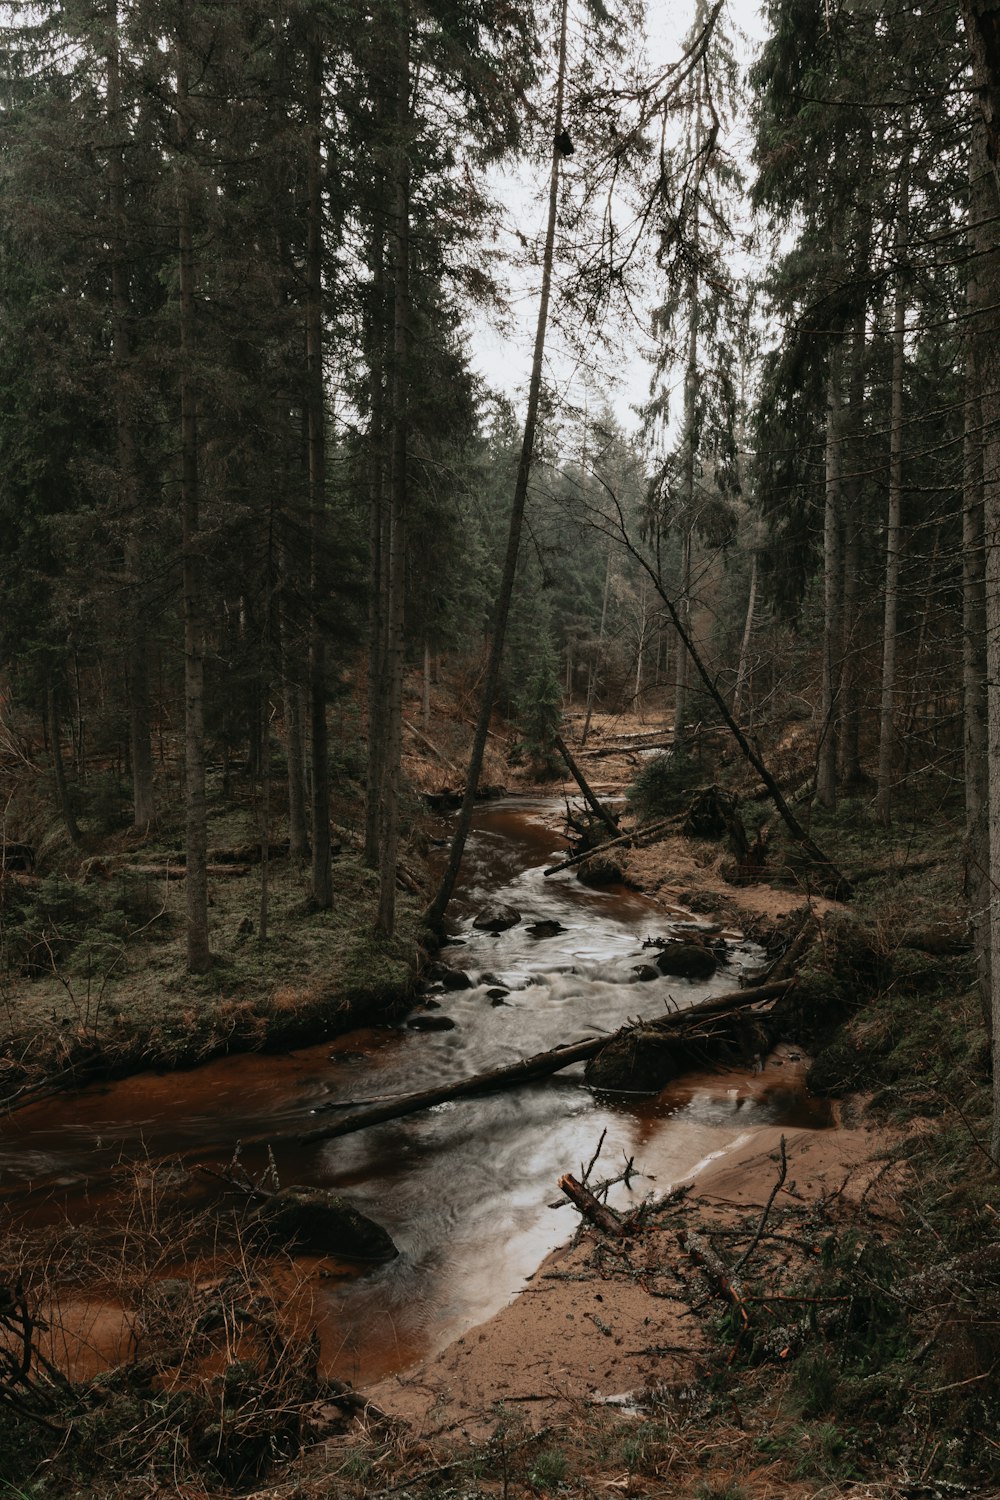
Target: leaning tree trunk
(436, 910)
(322, 873)
(396, 611)
(199, 956)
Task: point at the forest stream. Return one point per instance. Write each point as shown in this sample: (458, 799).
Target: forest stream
(466, 1189)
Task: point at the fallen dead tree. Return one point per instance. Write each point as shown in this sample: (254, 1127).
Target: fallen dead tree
(637, 834)
(544, 1064)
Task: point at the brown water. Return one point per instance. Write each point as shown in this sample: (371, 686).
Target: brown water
(465, 1189)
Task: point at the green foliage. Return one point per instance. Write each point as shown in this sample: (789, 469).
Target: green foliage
(662, 786)
(538, 712)
(43, 924)
(549, 1468)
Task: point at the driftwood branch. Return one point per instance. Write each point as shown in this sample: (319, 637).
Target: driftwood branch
(592, 1208)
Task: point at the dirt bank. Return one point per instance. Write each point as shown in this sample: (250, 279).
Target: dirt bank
(605, 1322)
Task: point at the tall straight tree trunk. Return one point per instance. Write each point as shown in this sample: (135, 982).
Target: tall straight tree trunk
(378, 558)
(322, 872)
(743, 666)
(395, 614)
(58, 768)
(199, 956)
(595, 665)
(982, 201)
(849, 729)
(833, 570)
(290, 639)
(894, 520)
(687, 491)
(140, 739)
(982, 28)
(436, 910)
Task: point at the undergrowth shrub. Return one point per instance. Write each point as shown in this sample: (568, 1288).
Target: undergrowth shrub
(663, 786)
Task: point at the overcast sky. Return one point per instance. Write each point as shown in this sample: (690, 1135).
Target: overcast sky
(622, 379)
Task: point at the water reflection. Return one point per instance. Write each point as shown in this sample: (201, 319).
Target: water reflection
(465, 1188)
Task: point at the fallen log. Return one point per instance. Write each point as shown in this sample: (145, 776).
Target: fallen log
(592, 1208)
(541, 1065)
(179, 872)
(593, 803)
(422, 739)
(626, 838)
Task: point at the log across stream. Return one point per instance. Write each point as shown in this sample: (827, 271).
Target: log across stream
(463, 1188)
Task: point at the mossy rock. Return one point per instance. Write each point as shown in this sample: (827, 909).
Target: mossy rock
(842, 1068)
(322, 1223)
(599, 870)
(638, 1061)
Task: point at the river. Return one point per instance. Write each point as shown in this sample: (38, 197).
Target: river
(464, 1189)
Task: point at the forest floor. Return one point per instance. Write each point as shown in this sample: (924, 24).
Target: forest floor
(819, 1314)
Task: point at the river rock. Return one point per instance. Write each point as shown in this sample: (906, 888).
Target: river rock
(434, 1022)
(687, 961)
(497, 996)
(456, 979)
(645, 972)
(497, 918)
(547, 927)
(322, 1223)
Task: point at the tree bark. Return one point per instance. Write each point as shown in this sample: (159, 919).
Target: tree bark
(833, 569)
(436, 910)
(395, 615)
(596, 807)
(58, 769)
(199, 956)
(976, 739)
(322, 873)
(893, 530)
(140, 738)
(743, 666)
(982, 28)
(592, 1208)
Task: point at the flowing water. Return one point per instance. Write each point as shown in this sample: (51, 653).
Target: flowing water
(466, 1188)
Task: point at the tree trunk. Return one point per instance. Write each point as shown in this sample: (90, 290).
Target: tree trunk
(982, 27)
(395, 614)
(826, 755)
(976, 740)
(58, 769)
(140, 740)
(743, 667)
(436, 910)
(893, 529)
(199, 956)
(322, 874)
(595, 665)
(687, 502)
(849, 729)
(378, 588)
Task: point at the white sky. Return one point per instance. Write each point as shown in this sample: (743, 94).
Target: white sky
(503, 357)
